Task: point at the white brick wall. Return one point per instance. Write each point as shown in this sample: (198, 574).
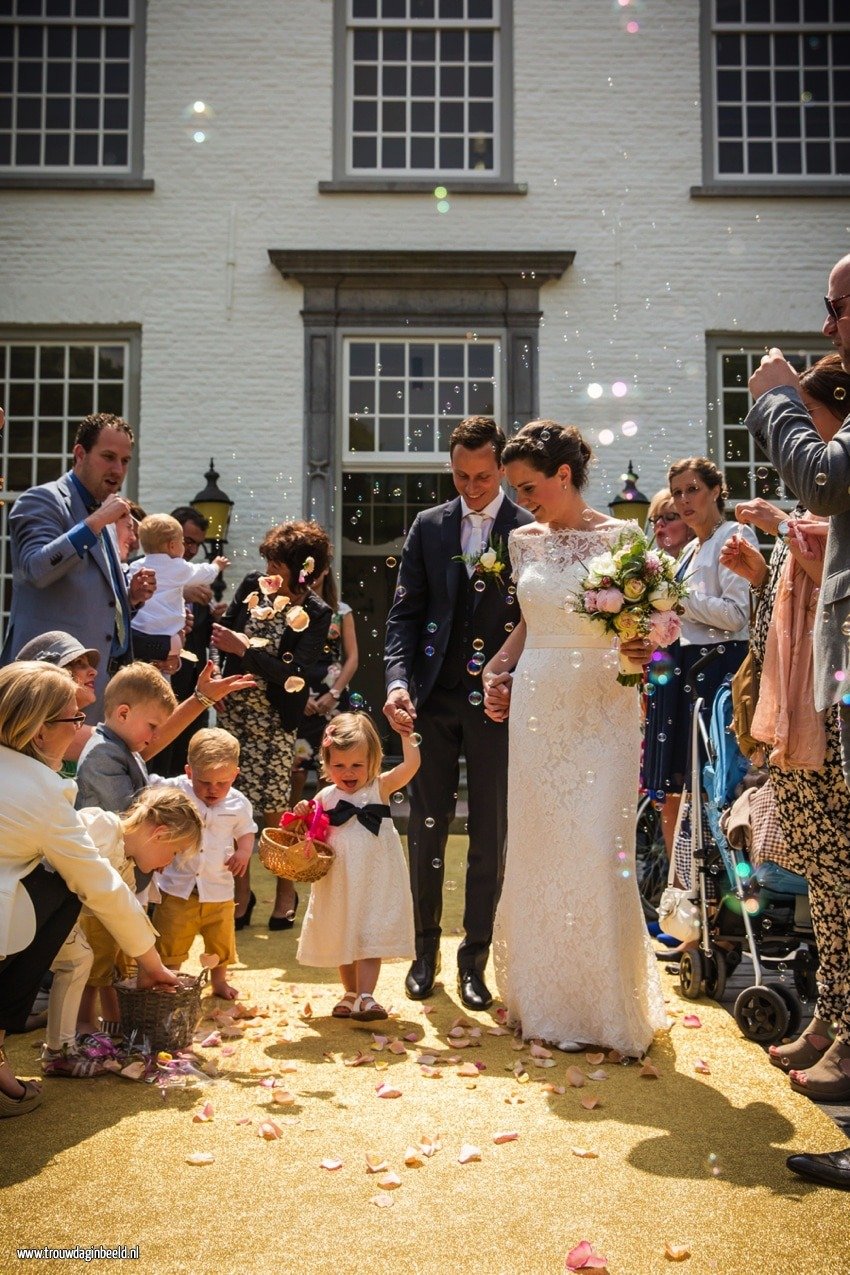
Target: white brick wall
(608, 138)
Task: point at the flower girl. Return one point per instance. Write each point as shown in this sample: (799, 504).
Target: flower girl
(361, 912)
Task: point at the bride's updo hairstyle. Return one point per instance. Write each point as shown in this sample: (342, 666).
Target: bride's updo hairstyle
(546, 445)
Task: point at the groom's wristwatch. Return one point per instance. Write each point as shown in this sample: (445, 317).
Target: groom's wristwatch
(783, 529)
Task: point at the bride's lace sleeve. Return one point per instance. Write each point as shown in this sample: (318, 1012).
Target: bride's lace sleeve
(515, 553)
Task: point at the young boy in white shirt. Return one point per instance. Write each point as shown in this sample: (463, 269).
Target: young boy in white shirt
(198, 893)
(158, 625)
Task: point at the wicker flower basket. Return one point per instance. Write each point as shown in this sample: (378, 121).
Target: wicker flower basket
(167, 1020)
(288, 853)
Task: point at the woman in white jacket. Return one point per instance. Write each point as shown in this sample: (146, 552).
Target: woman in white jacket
(49, 865)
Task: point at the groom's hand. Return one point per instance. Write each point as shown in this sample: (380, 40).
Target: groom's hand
(399, 711)
(497, 695)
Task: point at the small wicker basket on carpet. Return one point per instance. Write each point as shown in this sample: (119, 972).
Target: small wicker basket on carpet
(288, 853)
(167, 1020)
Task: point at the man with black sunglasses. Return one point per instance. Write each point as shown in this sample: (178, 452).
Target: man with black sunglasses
(819, 474)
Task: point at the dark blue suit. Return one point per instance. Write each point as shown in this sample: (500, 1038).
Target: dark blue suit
(436, 617)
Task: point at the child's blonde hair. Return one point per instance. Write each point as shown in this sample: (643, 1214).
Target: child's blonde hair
(169, 807)
(156, 532)
(32, 693)
(138, 683)
(348, 730)
(213, 746)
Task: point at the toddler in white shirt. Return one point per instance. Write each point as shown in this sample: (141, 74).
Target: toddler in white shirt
(158, 625)
(198, 892)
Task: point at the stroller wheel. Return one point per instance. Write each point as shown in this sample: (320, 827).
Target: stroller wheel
(762, 1015)
(805, 969)
(795, 1010)
(691, 974)
(715, 975)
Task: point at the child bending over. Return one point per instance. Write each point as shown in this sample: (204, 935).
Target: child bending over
(160, 824)
(198, 893)
(361, 912)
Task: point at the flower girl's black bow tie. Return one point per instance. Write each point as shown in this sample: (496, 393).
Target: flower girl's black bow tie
(369, 815)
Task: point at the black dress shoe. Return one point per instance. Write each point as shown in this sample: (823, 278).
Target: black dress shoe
(830, 1169)
(245, 919)
(420, 977)
(473, 990)
(286, 921)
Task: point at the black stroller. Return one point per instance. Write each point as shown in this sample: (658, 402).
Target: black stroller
(744, 912)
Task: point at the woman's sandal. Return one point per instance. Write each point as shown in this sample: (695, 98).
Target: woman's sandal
(829, 1079)
(286, 921)
(28, 1101)
(803, 1052)
(343, 1008)
(366, 1009)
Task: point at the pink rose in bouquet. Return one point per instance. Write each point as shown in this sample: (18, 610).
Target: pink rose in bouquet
(664, 627)
(610, 600)
(591, 601)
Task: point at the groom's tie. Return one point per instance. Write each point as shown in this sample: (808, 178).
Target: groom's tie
(476, 539)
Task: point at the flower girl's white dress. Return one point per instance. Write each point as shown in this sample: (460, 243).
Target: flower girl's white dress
(573, 958)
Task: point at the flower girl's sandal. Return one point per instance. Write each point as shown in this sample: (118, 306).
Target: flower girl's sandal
(28, 1100)
(343, 1008)
(829, 1079)
(366, 1009)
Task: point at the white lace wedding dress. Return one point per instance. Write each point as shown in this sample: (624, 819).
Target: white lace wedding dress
(573, 958)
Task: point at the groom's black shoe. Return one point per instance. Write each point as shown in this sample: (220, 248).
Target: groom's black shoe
(420, 977)
(473, 990)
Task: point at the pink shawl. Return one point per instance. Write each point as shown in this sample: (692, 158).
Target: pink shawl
(785, 715)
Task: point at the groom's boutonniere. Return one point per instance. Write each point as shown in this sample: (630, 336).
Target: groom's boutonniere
(490, 563)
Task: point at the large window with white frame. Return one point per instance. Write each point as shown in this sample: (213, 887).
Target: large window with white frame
(779, 90)
(405, 395)
(428, 89)
(748, 471)
(71, 82)
(47, 385)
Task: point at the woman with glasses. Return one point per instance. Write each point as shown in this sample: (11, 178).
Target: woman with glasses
(49, 865)
(716, 614)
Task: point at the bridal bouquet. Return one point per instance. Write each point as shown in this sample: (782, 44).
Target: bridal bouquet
(633, 592)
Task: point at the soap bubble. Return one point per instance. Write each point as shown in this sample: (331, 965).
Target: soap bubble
(198, 120)
(533, 724)
(431, 626)
(473, 668)
(429, 822)
(606, 437)
(619, 389)
(821, 480)
(478, 644)
(594, 390)
(356, 700)
(590, 777)
(629, 428)
(480, 586)
(436, 863)
(476, 698)
(415, 739)
(429, 651)
(576, 659)
(398, 798)
(391, 562)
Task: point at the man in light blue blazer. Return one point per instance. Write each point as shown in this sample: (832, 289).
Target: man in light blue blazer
(66, 570)
(819, 474)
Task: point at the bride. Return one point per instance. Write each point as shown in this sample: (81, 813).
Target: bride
(574, 964)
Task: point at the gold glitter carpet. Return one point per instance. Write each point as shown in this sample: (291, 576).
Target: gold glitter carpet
(691, 1160)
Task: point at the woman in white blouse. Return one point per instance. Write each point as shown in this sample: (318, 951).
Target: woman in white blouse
(716, 614)
(49, 865)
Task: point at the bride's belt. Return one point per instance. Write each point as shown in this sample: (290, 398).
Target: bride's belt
(568, 641)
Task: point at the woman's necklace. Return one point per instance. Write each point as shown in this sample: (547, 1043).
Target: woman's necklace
(714, 529)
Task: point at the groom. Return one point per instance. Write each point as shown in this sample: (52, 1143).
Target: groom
(449, 617)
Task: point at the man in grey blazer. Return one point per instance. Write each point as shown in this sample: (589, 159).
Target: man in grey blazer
(819, 474)
(66, 570)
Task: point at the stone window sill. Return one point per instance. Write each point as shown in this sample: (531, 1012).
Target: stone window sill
(35, 181)
(771, 190)
(418, 186)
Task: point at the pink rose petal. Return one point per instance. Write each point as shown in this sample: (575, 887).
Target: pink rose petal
(206, 1113)
(584, 1257)
(382, 1200)
(331, 1165)
(692, 1020)
(387, 1091)
(702, 1067)
(269, 1131)
(499, 1138)
(468, 1153)
(200, 1157)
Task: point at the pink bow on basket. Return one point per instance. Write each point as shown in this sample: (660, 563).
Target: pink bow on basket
(315, 829)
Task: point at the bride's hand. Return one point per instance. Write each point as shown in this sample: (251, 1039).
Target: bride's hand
(497, 695)
(638, 650)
